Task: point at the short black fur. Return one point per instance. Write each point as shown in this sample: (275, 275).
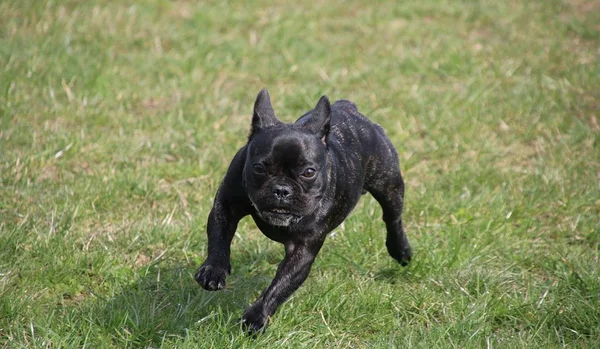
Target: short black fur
(299, 182)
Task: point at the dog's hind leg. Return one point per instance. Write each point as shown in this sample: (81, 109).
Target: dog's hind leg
(388, 190)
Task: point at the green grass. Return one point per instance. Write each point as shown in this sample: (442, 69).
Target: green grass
(118, 120)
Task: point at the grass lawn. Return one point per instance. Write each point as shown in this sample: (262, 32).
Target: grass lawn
(118, 120)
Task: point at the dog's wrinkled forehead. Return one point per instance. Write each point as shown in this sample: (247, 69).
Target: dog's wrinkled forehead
(285, 148)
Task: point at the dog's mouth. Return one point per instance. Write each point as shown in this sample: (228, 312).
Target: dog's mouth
(277, 216)
(280, 216)
(278, 210)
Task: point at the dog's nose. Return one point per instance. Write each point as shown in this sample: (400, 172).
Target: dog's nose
(282, 191)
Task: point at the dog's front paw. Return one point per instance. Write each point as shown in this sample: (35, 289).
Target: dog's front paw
(402, 254)
(255, 320)
(212, 277)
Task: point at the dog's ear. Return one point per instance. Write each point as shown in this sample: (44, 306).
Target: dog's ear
(264, 115)
(320, 119)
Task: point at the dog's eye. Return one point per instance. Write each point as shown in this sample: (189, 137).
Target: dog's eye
(309, 173)
(258, 168)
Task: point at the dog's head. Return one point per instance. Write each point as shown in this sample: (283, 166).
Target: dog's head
(285, 173)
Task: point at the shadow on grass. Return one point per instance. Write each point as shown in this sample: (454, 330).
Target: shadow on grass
(393, 275)
(165, 302)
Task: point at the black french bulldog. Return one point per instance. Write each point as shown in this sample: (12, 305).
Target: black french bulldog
(299, 182)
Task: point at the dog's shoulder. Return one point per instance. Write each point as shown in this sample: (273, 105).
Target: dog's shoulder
(344, 114)
(345, 105)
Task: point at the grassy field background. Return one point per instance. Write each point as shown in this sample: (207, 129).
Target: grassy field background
(118, 120)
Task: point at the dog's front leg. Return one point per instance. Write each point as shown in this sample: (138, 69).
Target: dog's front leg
(222, 223)
(291, 273)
